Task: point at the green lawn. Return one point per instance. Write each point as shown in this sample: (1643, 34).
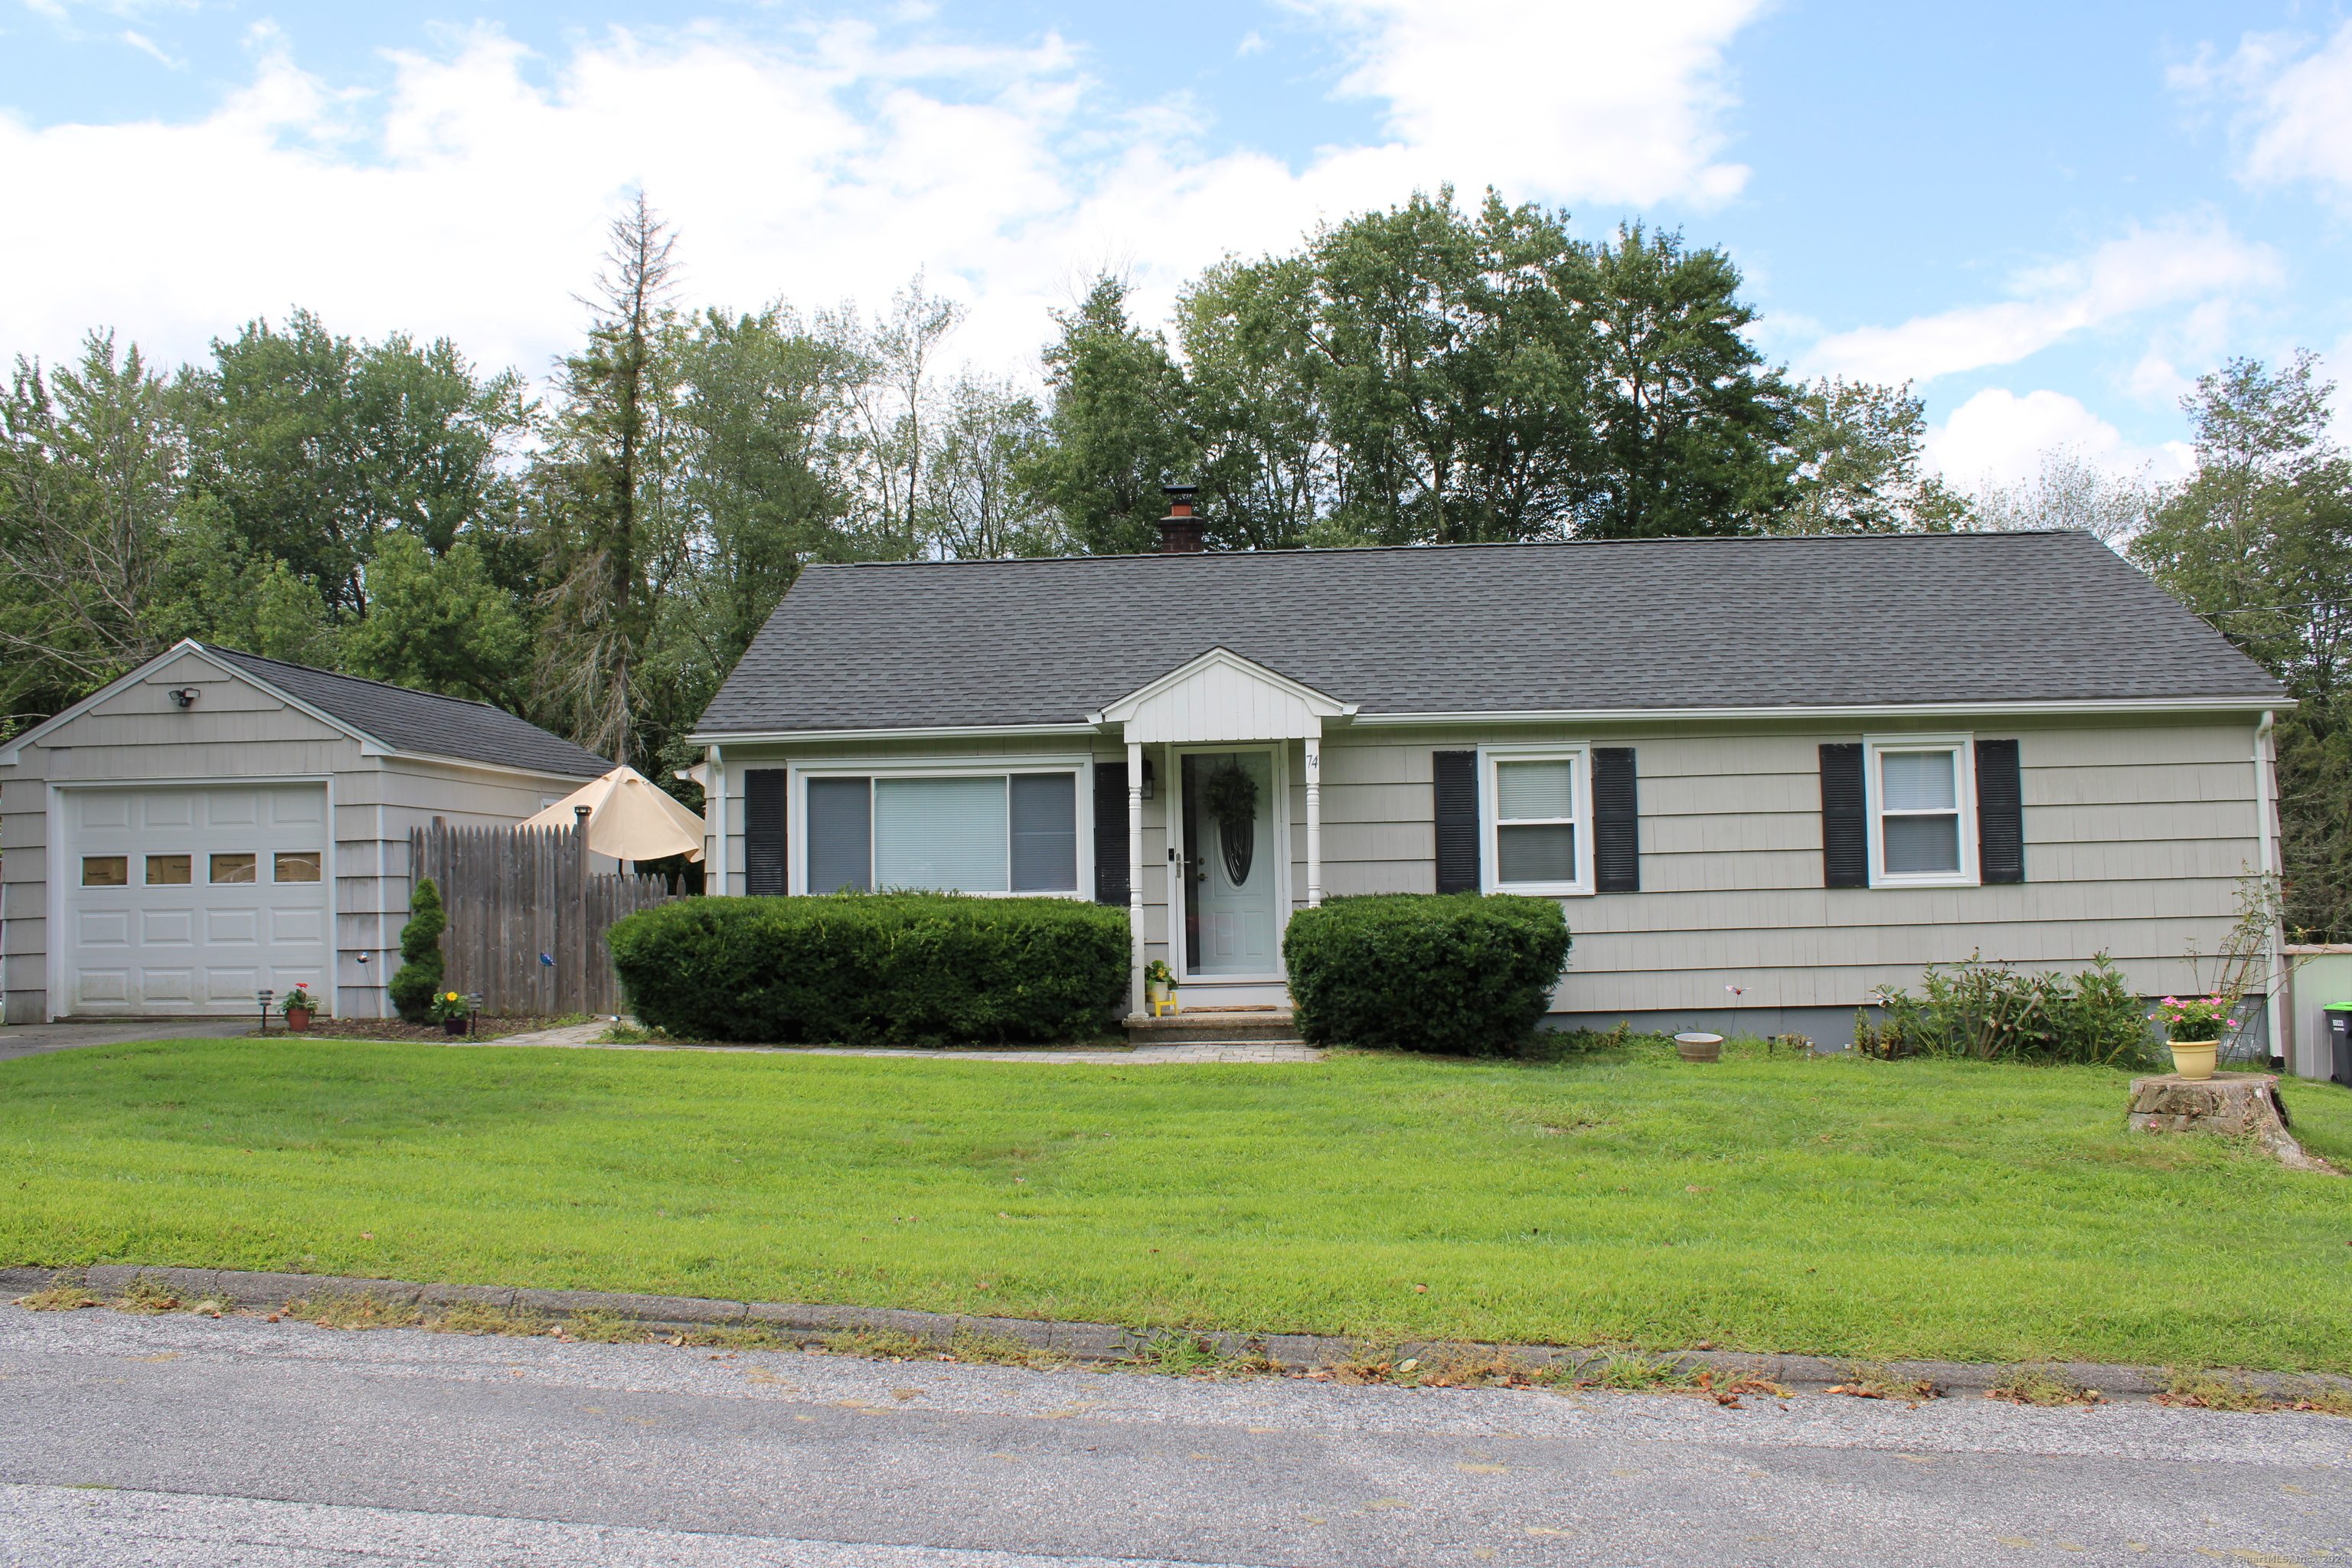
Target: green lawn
(1841, 1207)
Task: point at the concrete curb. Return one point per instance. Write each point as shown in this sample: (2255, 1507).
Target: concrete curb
(1102, 1343)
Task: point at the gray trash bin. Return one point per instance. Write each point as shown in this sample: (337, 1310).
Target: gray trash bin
(2339, 1042)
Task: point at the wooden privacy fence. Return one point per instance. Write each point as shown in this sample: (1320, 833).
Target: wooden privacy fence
(527, 917)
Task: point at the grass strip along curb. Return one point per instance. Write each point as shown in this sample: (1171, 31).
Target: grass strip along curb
(1109, 1344)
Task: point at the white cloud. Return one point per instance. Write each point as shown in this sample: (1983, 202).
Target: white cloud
(469, 197)
(147, 46)
(2295, 104)
(1997, 438)
(2188, 261)
(1611, 101)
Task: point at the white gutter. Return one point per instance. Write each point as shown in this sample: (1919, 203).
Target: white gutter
(2188, 706)
(937, 733)
(2266, 835)
(2087, 706)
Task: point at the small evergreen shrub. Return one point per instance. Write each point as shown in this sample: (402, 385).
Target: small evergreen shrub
(1460, 974)
(894, 969)
(418, 980)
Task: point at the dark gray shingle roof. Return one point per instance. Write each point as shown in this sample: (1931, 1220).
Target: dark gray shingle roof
(1636, 624)
(411, 720)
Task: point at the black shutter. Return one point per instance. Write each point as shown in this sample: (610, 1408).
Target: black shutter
(1616, 822)
(1845, 828)
(1456, 774)
(2000, 813)
(1111, 853)
(763, 831)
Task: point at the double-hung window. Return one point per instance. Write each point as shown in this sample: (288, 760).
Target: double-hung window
(1921, 811)
(941, 829)
(1536, 806)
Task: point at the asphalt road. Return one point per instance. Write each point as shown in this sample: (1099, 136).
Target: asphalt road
(179, 1440)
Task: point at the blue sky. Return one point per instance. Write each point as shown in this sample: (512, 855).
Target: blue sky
(2050, 218)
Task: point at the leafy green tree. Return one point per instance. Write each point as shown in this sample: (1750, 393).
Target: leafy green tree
(1117, 427)
(90, 464)
(315, 446)
(2070, 492)
(439, 624)
(1859, 465)
(1393, 314)
(2259, 541)
(1692, 430)
(980, 506)
(1253, 407)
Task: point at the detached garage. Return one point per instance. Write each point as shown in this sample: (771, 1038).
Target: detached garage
(217, 823)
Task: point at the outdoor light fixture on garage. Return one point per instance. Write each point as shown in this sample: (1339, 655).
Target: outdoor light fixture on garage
(182, 695)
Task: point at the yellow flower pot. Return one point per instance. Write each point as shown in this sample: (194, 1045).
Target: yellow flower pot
(1159, 998)
(2193, 1059)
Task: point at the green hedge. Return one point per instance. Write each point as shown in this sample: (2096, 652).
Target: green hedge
(1456, 972)
(898, 969)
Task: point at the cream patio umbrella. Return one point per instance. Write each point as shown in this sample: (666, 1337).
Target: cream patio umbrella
(630, 817)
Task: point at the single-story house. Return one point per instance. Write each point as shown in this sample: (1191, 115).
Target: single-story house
(216, 824)
(1768, 774)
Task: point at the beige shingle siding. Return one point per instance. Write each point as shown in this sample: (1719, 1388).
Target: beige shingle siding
(2135, 833)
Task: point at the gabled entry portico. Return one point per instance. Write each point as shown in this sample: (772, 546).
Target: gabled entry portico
(1220, 727)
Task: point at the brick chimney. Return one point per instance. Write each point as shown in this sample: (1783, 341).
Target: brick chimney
(1179, 530)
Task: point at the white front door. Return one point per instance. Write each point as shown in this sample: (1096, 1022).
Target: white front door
(188, 901)
(1232, 865)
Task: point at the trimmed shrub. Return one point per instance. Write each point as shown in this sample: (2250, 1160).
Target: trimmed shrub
(1463, 973)
(419, 977)
(894, 969)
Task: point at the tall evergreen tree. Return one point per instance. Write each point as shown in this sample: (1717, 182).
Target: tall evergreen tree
(602, 496)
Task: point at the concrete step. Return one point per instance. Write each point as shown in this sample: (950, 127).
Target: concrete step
(1254, 1024)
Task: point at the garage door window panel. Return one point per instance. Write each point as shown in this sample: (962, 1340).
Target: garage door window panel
(170, 870)
(233, 868)
(106, 871)
(295, 866)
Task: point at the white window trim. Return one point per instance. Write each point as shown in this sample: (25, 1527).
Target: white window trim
(1082, 806)
(1490, 800)
(1964, 794)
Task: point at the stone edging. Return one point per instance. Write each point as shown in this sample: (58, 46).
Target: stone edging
(1100, 1342)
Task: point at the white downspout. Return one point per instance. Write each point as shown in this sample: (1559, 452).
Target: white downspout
(1135, 874)
(1314, 822)
(714, 801)
(2266, 829)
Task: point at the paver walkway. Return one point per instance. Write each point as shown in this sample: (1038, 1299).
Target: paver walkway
(590, 1037)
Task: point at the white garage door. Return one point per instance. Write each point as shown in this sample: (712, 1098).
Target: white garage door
(190, 900)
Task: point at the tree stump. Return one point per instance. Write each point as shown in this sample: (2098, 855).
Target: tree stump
(2239, 1104)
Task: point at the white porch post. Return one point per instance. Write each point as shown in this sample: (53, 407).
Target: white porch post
(714, 807)
(1135, 872)
(1314, 823)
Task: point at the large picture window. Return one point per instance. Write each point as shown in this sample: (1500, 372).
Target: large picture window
(1537, 820)
(1920, 809)
(949, 831)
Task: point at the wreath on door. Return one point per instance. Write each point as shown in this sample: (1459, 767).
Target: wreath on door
(1230, 797)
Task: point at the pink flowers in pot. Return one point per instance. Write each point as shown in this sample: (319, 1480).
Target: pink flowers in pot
(2192, 1018)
